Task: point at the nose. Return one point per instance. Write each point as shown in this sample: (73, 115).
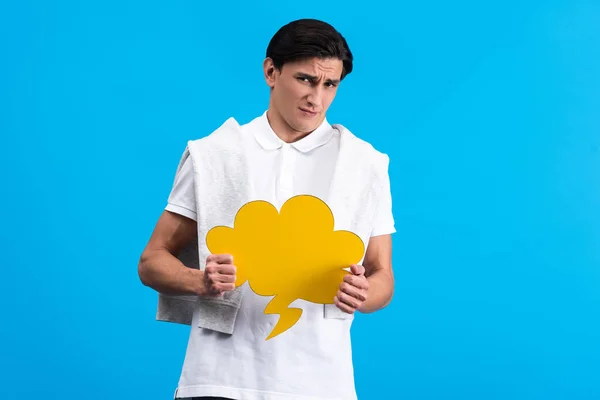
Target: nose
(315, 96)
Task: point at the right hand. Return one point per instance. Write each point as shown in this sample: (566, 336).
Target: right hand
(219, 274)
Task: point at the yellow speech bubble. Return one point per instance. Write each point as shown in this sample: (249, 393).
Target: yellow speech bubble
(291, 254)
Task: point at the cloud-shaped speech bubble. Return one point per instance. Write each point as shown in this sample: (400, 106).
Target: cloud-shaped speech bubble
(291, 254)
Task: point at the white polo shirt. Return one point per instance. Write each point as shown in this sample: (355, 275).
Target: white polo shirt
(311, 360)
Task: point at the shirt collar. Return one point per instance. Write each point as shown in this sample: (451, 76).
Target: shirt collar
(269, 140)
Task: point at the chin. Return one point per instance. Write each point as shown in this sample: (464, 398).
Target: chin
(303, 124)
(305, 128)
(309, 124)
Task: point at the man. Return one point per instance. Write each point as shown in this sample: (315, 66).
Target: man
(291, 149)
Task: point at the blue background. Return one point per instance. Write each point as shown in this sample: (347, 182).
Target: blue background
(488, 110)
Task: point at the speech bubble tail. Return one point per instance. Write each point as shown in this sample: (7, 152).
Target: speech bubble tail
(287, 316)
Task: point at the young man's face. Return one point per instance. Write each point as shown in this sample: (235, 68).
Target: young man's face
(302, 91)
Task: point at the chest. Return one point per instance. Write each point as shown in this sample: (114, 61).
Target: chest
(276, 175)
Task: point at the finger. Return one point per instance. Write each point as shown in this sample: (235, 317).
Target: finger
(223, 269)
(348, 300)
(220, 259)
(224, 278)
(224, 287)
(218, 287)
(357, 269)
(342, 306)
(226, 269)
(357, 293)
(357, 281)
(213, 290)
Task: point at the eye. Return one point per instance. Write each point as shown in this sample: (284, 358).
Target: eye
(304, 79)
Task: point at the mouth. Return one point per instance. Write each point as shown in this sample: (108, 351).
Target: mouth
(308, 113)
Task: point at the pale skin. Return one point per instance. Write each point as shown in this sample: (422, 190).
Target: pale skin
(301, 93)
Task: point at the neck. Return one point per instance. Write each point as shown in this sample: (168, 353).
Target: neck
(282, 129)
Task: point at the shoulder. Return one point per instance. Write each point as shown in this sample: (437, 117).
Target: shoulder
(373, 157)
(221, 136)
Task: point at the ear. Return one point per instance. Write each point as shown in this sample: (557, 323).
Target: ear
(270, 72)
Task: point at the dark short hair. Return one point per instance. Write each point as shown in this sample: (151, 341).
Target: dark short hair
(308, 38)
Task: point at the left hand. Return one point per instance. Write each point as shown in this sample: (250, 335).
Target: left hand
(353, 291)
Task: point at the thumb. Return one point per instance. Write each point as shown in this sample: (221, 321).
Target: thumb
(357, 269)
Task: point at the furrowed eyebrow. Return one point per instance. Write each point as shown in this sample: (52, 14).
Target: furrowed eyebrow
(307, 76)
(314, 78)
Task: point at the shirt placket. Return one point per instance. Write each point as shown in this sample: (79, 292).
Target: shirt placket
(285, 188)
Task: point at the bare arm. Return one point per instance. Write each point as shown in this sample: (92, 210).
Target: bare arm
(159, 267)
(370, 286)
(378, 270)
